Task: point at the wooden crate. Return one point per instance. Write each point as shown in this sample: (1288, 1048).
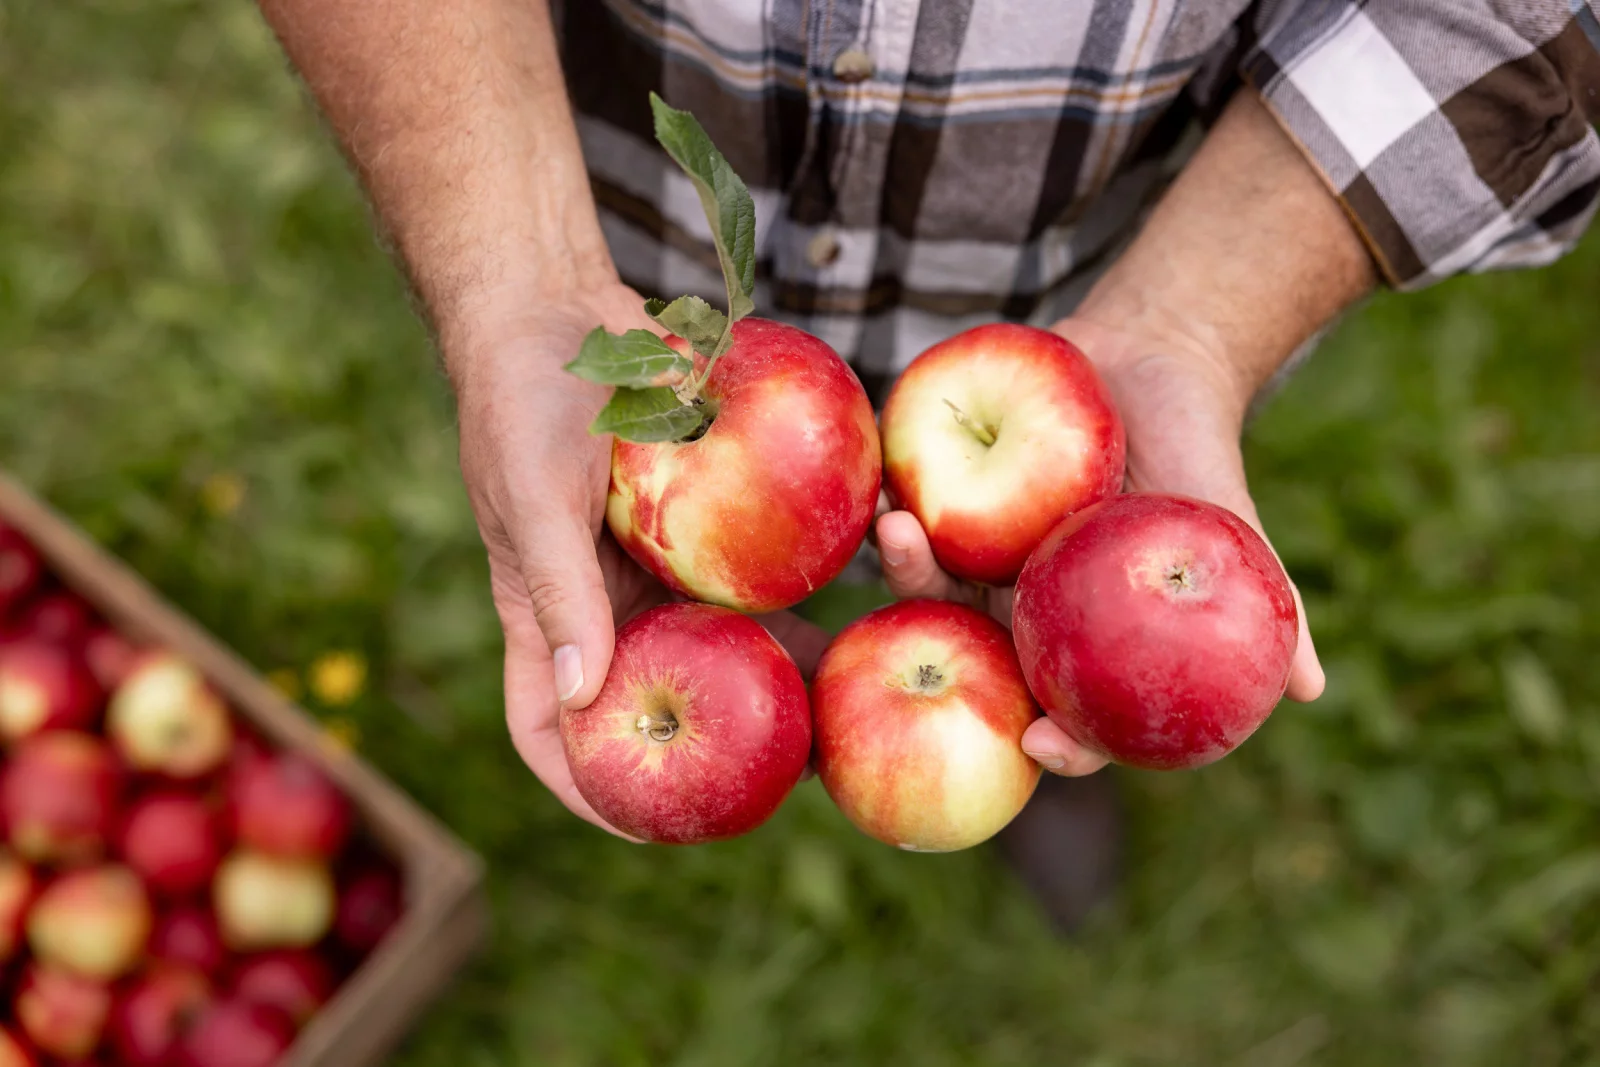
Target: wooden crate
(446, 913)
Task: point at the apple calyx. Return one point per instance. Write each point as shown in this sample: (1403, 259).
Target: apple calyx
(985, 434)
(658, 392)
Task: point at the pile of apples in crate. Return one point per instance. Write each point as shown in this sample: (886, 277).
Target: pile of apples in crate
(173, 892)
(1155, 630)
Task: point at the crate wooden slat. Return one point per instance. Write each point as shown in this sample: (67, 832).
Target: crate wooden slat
(446, 914)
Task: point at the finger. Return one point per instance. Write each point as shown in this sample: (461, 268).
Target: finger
(533, 716)
(567, 597)
(908, 563)
(804, 641)
(1046, 743)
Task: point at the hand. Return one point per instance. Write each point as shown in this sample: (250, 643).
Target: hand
(537, 480)
(1183, 412)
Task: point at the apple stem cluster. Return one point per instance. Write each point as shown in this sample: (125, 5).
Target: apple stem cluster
(658, 729)
(984, 434)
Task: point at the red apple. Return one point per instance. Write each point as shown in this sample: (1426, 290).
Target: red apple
(110, 657)
(369, 907)
(58, 797)
(1156, 630)
(62, 1013)
(991, 438)
(699, 732)
(172, 840)
(236, 1033)
(44, 687)
(165, 719)
(13, 1053)
(284, 805)
(294, 980)
(21, 569)
(772, 502)
(272, 902)
(94, 922)
(189, 937)
(56, 619)
(919, 711)
(16, 897)
(148, 1017)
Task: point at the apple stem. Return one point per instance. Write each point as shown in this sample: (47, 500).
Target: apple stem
(972, 425)
(657, 729)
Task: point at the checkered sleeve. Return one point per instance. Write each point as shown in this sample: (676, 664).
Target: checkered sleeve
(1458, 134)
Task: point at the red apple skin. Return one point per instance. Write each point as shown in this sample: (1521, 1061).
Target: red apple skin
(44, 687)
(21, 569)
(284, 805)
(1156, 630)
(188, 937)
(13, 1053)
(772, 502)
(63, 1014)
(742, 733)
(1059, 445)
(173, 841)
(93, 922)
(369, 906)
(17, 888)
(58, 797)
(57, 619)
(235, 1033)
(919, 710)
(267, 902)
(109, 656)
(149, 1016)
(294, 980)
(165, 719)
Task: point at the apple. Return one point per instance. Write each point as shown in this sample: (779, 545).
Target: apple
(57, 619)
(699, 732)
(21, 569)
(94, 922)
(44, 687)
(369, 907)
(1156, 630)
(188, 936)
(58, 797)
(62, 1013)
(294, 980)
(13, 1053)
(919, 710)
(235, 1033)
(110, 656)
(165, 719)
(16, 897)
(172, 840)
(774, 499)
(284, 805)
(272, 902)
(149, 1016)
(991, 438)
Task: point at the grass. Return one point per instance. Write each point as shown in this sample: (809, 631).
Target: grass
(205, 360)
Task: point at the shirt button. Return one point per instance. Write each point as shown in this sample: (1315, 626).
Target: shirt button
(823, 249)
(853, 65)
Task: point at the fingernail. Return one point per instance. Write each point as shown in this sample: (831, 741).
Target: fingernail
(569, 672)
(1048, 760)
(893, 554)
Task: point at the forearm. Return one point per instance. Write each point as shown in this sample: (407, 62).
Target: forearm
(1246, 257)
(455, 118)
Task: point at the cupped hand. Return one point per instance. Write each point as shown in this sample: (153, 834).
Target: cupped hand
(537, 480)
(1183, 410)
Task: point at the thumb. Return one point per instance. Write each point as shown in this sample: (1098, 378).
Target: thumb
(567, 595)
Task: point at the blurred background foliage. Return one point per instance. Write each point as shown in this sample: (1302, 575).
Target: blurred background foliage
(206, 360)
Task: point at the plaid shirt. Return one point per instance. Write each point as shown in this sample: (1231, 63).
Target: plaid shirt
(920, 166)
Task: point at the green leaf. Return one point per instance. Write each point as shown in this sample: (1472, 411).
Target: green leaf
(694, 320)
(637, 358)
(727, 203)
(647, 415)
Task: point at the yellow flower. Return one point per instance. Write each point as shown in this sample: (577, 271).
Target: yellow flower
(337, 678)
(222, 494)
(286, 680)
